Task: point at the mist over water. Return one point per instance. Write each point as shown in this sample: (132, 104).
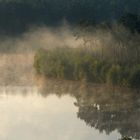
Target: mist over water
(39, 37)
(17, 54)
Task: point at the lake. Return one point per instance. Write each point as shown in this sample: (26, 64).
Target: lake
(34, 108)
(25, 114)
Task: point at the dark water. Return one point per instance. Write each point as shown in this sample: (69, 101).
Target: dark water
(32, 108)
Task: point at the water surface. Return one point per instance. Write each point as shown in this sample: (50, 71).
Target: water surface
(33, 108)
(26, 114)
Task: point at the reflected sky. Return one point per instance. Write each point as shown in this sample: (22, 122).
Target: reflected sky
(35, 117)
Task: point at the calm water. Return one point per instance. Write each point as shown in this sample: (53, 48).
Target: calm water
(37, 109)
(25, 114)
(53, 112)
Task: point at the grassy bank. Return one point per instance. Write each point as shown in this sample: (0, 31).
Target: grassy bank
(82, 64)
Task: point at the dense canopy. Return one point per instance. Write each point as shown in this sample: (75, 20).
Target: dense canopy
(18, 15)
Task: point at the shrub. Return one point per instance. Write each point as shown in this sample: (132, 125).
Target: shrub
(134, 80)
(114, 75)
(78, 64)
(39, 59)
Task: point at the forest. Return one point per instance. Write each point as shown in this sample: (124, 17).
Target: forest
(17, 16)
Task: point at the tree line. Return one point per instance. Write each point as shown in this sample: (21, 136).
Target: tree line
(16, 16)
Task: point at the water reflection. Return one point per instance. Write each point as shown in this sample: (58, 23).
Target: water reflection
(65, 110)
(35, 117)
(102, 108)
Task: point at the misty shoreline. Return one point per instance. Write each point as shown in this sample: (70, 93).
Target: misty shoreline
(109, 44)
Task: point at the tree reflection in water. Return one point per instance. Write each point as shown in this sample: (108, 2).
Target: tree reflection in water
(126, 138)
(100, 107)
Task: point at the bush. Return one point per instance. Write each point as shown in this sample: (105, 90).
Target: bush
(84, 67)
(134, 80)
(78, 64)
(114, 75)
(39, 61)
